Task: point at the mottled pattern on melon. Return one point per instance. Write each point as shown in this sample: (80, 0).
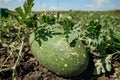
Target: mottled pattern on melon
(59, 57)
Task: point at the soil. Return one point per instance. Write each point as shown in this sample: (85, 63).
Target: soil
(30, 69)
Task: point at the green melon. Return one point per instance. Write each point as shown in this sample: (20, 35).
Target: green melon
(59, 57)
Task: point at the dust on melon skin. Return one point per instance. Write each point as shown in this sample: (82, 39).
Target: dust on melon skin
(56, 55)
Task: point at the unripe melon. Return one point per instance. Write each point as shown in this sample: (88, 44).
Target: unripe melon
(58, 56)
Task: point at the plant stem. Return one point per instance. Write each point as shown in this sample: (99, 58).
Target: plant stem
(6, 69)
(17, 61)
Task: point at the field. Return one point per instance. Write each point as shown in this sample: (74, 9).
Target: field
(98, 31)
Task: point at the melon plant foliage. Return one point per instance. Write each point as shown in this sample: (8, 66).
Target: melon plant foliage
(62, 43)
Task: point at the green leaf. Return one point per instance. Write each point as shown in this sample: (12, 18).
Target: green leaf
(93, 30)
(67, 24)
(48, 19)
(101, 49)
(99, 67)
(28, 6)
(21, 13)
(91, 26)
(108, 60)
(72, 36)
